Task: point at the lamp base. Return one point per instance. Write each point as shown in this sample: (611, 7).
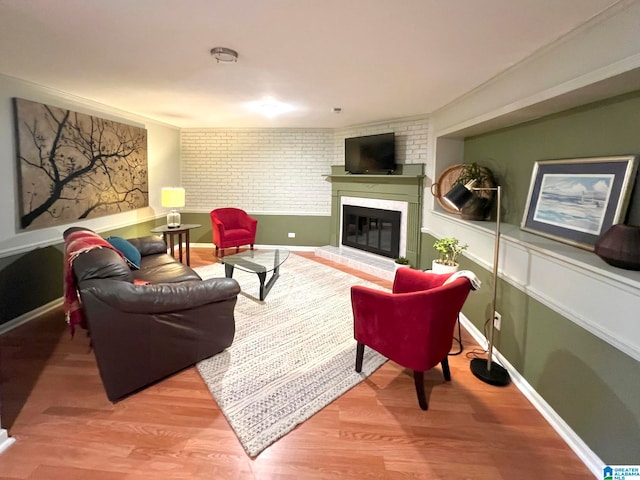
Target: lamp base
(497, 376)
(173, 219)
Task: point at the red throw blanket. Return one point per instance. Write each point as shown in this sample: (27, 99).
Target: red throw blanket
(77, 242)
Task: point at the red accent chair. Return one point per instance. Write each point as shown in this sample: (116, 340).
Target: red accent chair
(414, 325)
(232, 227)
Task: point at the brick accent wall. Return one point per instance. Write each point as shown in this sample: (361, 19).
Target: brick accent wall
(263, 171)
(411, 139)
(278, 171)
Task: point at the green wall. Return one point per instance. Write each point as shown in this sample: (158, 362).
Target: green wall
(310, 230)
(29, 281)
(610, 127)
(593, 386)
(33, 279)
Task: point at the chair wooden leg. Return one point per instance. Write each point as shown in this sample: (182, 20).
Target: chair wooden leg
(251, 246)
(445, 369)
(418, 379)
(359, 356)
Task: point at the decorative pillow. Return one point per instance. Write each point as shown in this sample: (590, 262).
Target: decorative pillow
(126, 248)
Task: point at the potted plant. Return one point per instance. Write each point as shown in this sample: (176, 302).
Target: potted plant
(448, 251)
(402, 262)
(478, 207)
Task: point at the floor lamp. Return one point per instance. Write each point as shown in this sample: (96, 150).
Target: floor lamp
(485, 369)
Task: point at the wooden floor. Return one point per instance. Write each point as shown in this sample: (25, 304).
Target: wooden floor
(54, 406)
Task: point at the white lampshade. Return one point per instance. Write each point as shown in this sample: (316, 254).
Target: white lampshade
(173, 198)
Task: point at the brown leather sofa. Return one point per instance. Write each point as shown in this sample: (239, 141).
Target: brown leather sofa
(141, 333)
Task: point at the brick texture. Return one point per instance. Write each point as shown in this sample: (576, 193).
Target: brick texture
(278, 171)
(411, 139)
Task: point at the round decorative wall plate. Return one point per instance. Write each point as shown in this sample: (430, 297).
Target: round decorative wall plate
(445, 182)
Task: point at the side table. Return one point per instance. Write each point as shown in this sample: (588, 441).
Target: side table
(182, 233)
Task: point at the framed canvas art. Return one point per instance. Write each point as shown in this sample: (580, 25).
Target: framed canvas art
(576, 200)
(73, 166)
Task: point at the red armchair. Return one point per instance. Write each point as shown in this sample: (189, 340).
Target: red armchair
(414, 325)
(232, 227)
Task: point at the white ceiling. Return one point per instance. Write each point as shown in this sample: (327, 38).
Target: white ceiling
(375, 59)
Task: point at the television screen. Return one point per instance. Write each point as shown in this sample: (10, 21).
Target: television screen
(370, 154)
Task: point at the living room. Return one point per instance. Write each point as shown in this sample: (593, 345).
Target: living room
(569, 322)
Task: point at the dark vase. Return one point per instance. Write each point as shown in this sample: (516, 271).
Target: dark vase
(620, 246)
(476, 209)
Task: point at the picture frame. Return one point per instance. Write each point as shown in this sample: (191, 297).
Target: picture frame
(576, 200)
(73, 166)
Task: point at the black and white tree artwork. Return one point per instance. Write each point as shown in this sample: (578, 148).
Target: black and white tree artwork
(73, 166)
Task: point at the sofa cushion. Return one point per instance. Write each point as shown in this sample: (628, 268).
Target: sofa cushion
(237, 234)
(163, 268)
(149, 245)
(131, 253)
(101, 263)
(152, 261)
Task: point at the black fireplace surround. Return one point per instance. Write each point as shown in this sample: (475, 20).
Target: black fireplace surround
(372, 230)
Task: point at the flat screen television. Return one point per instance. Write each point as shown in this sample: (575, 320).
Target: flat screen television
(374, 154)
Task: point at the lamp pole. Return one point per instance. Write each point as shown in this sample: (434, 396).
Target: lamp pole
(486, 370)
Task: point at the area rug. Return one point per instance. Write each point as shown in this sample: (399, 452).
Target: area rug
(293, 353)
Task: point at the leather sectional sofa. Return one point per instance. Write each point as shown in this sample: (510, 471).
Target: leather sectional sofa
(148, 323)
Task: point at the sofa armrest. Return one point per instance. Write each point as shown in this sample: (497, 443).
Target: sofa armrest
(253, 225)
(151, 245)
(249, 223)
(217, 224)
(163, 297)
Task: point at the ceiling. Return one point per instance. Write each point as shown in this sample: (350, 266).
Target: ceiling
(375, 59)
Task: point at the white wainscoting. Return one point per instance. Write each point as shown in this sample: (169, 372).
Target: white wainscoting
(575, 283)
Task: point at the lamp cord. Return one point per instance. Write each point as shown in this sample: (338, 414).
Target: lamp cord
(476, 352)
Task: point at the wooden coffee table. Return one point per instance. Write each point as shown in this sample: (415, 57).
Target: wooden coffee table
(258, 262)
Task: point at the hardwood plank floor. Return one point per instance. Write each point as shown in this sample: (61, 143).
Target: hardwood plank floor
(54, 405)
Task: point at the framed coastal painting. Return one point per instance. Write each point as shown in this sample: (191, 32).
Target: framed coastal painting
(73, 166)
(576, 200)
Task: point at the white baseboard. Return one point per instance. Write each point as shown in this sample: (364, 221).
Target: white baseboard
(581, 449)
(5, 440)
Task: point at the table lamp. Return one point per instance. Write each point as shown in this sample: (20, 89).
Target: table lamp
(173, 198)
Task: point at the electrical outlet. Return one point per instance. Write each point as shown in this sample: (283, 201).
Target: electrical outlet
(497, 320)
(292, 235)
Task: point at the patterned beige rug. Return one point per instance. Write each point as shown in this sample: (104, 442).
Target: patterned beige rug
(292, 355)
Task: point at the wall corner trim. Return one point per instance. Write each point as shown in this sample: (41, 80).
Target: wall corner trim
(5, 440)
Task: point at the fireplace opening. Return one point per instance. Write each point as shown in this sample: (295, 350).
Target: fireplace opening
(371, 229)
